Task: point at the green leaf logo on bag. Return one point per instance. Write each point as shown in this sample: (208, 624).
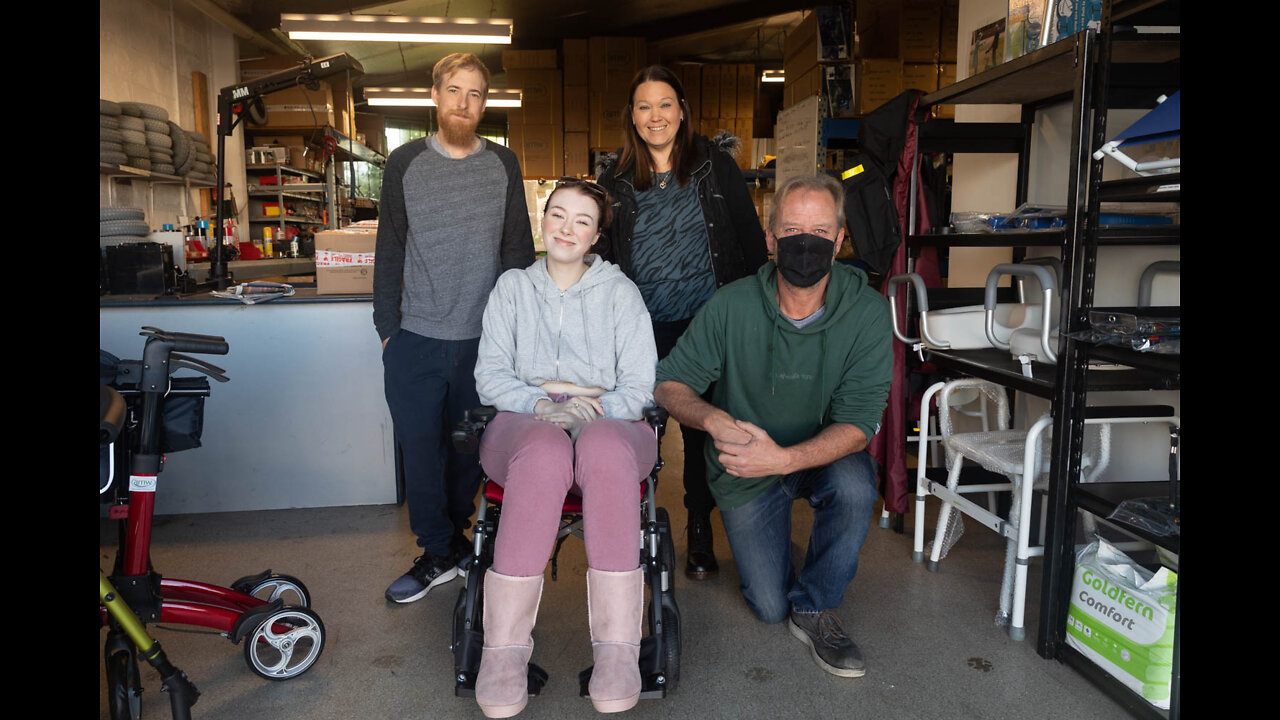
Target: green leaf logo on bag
(1121, 617)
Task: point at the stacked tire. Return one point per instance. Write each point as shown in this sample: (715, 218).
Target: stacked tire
(110, 139)
(120, 225)
(157, 145)
(203, 166)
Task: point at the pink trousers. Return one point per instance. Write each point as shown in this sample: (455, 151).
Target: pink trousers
(537, 464)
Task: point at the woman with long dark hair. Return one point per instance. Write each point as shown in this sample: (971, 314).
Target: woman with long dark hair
(684, 225)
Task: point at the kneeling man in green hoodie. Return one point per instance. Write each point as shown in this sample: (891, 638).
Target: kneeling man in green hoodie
(801, 359)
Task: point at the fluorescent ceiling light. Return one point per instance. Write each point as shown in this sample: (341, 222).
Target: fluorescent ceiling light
(773, 76)
(421, 97)
(396, 28)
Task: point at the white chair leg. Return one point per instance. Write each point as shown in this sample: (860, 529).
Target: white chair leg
(1031, 463)
(1010, 556)
(922, 490)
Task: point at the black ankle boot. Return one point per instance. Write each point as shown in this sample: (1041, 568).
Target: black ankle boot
(701, 562)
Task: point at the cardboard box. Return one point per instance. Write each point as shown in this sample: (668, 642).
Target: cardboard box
(878, 23)
(919, 32)
(529, 60)
(878, 81)
(920, 76)
(748, 81)
(612, 64)
(296, 106)
(344, 261)
(742, 128)
(711, 91)
(573, 61)
(540, 149)
(576, 104)
(577, 154)
(374, 127)
(796, 89)
(541, 97)
(691, 78)
(729, 91)
(295, 154)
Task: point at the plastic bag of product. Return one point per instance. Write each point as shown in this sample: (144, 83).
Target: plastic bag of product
(1121, 616)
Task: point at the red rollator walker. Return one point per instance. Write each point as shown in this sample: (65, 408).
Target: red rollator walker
(270, 612)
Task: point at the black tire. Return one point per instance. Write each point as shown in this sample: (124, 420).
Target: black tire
(140, 163)
(159, 140)
(144, 110)
(156, 126)
(106, 107)
(108, 146)
(106, 134)
(130, 109)
(135, 150)
(124, 689)
(106, 214)
(123, 227)
(113, 157)
(181, 146)
(128, 122)
(276, 586)
(165, 169)
(109, 121)
(132, 136)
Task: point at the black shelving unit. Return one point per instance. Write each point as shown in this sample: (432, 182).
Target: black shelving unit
(1093, 71)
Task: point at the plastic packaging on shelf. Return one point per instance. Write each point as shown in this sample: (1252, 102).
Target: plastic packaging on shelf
(1030, 217)
(1137, 332)
(1154, 514)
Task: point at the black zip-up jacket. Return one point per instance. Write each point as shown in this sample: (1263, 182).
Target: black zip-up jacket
(735, 236)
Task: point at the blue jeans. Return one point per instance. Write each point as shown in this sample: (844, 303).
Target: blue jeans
(429, 384)
(843, 495)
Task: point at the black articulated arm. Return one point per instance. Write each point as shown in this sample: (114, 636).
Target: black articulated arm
(235, 101)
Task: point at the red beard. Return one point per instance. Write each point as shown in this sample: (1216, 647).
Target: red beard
(457, 130)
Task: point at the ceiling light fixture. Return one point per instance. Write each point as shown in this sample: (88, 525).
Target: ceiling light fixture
(421, 97)
(397, 28)
(773, 76)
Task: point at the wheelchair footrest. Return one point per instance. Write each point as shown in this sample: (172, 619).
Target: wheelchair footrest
(465, 682)
(652, 686)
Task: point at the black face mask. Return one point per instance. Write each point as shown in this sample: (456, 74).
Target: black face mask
(804, 259)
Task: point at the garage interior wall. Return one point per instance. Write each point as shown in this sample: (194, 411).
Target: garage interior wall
(147, 51)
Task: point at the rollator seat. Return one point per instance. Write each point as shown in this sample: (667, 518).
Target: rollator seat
(572, 502)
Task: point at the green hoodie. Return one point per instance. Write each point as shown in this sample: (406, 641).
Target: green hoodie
(791, 382)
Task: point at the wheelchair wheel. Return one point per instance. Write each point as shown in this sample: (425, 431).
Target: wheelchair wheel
(273, 586)
(124, 689)
(671, 647)
(286, 644)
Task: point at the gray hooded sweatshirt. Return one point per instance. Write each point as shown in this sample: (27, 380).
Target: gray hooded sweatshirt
(595, 334)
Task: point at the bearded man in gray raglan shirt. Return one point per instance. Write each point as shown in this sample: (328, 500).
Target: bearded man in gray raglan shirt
(452, 218)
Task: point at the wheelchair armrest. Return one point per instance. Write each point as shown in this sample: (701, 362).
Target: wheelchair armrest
(466, 436)
(656, 416)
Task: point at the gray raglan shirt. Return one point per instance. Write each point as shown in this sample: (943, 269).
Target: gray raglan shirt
(447, 228)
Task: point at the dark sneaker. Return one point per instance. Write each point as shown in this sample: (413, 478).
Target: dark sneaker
(427, 572)
(832, 649)
(463, 554)
(701, 561)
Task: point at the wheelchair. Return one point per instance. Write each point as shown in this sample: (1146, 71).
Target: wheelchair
(659, 649)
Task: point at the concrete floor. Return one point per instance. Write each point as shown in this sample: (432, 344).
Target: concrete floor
(932, 649)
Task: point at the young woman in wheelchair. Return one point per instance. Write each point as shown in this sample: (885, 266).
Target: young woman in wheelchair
(567, 358)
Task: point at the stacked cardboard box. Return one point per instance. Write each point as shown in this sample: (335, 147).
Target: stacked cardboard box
(299, 107)
(901, 45)
(612, 63)
(577, 118)
(727, 101)
(536, 128)
(818, 60)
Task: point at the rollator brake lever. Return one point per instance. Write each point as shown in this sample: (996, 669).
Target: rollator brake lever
(178, 360)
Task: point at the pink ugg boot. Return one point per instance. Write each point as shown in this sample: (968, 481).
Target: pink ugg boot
(510, 610)
(615, 607)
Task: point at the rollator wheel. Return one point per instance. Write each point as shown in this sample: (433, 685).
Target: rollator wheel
(124, 689)
(671, 647)
(286, 644)
(275, 586)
